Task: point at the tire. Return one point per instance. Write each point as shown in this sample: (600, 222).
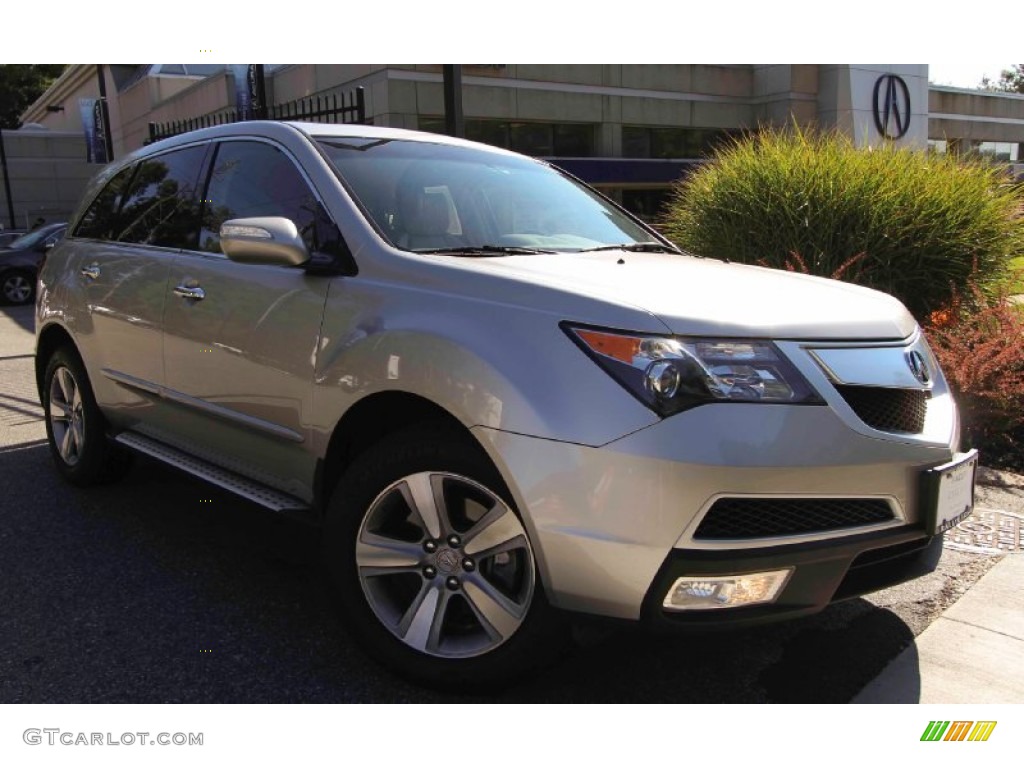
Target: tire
(75, 427)
(454, 603)
(17, 287)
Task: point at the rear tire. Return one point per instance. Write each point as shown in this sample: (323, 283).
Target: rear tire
(434, 567)
(75, 427)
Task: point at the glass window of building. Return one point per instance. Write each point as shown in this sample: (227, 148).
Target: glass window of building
(648, 204)
(573, 140)
(531, 139)
(999, 151)
(670, 142)
(490, 132)
(527, 138)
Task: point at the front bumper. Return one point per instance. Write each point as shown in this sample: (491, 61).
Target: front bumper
(824, 572)
(611, 524)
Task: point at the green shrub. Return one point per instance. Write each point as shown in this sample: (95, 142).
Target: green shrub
(912, 224)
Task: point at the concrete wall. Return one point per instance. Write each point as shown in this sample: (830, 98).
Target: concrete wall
(48, 173)
(79, 81)
(151, 98)
(162, 99)
(301, 80)
(975, 116)
(784, 92)
(159, 98)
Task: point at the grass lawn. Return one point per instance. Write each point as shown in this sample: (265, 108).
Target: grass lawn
(1017, 265)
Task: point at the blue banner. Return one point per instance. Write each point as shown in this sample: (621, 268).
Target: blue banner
(244, 90)
(95, 131)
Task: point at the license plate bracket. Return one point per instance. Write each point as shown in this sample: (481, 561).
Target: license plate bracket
(947, 492)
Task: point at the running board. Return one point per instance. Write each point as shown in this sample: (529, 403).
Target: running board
(230, 481)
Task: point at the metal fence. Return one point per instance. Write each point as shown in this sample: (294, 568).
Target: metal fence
(343, 108)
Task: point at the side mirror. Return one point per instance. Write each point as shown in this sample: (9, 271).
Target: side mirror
(263, 240)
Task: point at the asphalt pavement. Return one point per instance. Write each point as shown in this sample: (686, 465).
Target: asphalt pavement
(162, 588)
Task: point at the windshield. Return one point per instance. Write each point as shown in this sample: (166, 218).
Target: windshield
(437, 197)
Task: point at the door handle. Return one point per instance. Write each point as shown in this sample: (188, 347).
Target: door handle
(92, 271)
(190, 292)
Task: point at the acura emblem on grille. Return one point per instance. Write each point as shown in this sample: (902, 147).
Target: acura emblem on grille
(918, 366)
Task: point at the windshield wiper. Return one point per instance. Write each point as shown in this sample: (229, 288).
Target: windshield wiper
(645, 247)
(485, 250)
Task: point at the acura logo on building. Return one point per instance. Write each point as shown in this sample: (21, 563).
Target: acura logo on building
(892, 106)
(918, 366)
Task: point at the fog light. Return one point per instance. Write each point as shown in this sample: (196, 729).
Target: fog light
(698, 593)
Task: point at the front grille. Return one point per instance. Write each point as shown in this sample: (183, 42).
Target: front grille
(888, 410)
(748, 518)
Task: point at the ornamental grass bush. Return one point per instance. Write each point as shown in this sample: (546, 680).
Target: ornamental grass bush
(912, 224)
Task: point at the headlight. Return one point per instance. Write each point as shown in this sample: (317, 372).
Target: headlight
(670, 374)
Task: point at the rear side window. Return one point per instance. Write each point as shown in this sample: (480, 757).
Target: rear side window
(251, 178)
(98, 221)
(162, 207)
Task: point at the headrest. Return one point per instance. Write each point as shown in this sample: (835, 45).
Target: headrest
(427, 214)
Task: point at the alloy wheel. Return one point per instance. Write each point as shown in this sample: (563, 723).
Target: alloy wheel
(17, 289)
(445, 565)
(66, 416)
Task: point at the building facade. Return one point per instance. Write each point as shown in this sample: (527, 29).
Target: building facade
(631, 130)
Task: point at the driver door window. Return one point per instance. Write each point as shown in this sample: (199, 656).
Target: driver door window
(250, 178)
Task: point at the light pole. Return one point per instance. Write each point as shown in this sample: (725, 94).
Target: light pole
(454, 125)
(7, 180)
(108, 141)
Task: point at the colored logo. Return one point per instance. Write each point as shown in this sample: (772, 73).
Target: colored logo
(892, 106)
(958, 730)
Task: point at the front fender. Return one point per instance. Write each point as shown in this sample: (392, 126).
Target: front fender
(488, 364)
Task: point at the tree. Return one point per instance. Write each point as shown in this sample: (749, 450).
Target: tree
(1010, 80)
(22, 84)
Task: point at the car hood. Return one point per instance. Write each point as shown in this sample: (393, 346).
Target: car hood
(695, 296)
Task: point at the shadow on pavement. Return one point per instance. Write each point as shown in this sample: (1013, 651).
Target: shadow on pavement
(833, 663)
(901, 683)
(23, 315)
(165, 589)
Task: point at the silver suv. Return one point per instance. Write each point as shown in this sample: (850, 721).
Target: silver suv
(504, 397)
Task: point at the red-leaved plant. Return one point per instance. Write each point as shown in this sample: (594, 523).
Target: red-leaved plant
(796, 263)
(979, 342)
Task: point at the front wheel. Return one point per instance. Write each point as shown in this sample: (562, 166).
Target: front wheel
(17, 287)
(435, 568)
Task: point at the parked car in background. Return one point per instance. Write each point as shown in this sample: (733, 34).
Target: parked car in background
(499, 393)
(19, 262)
(7, 236)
